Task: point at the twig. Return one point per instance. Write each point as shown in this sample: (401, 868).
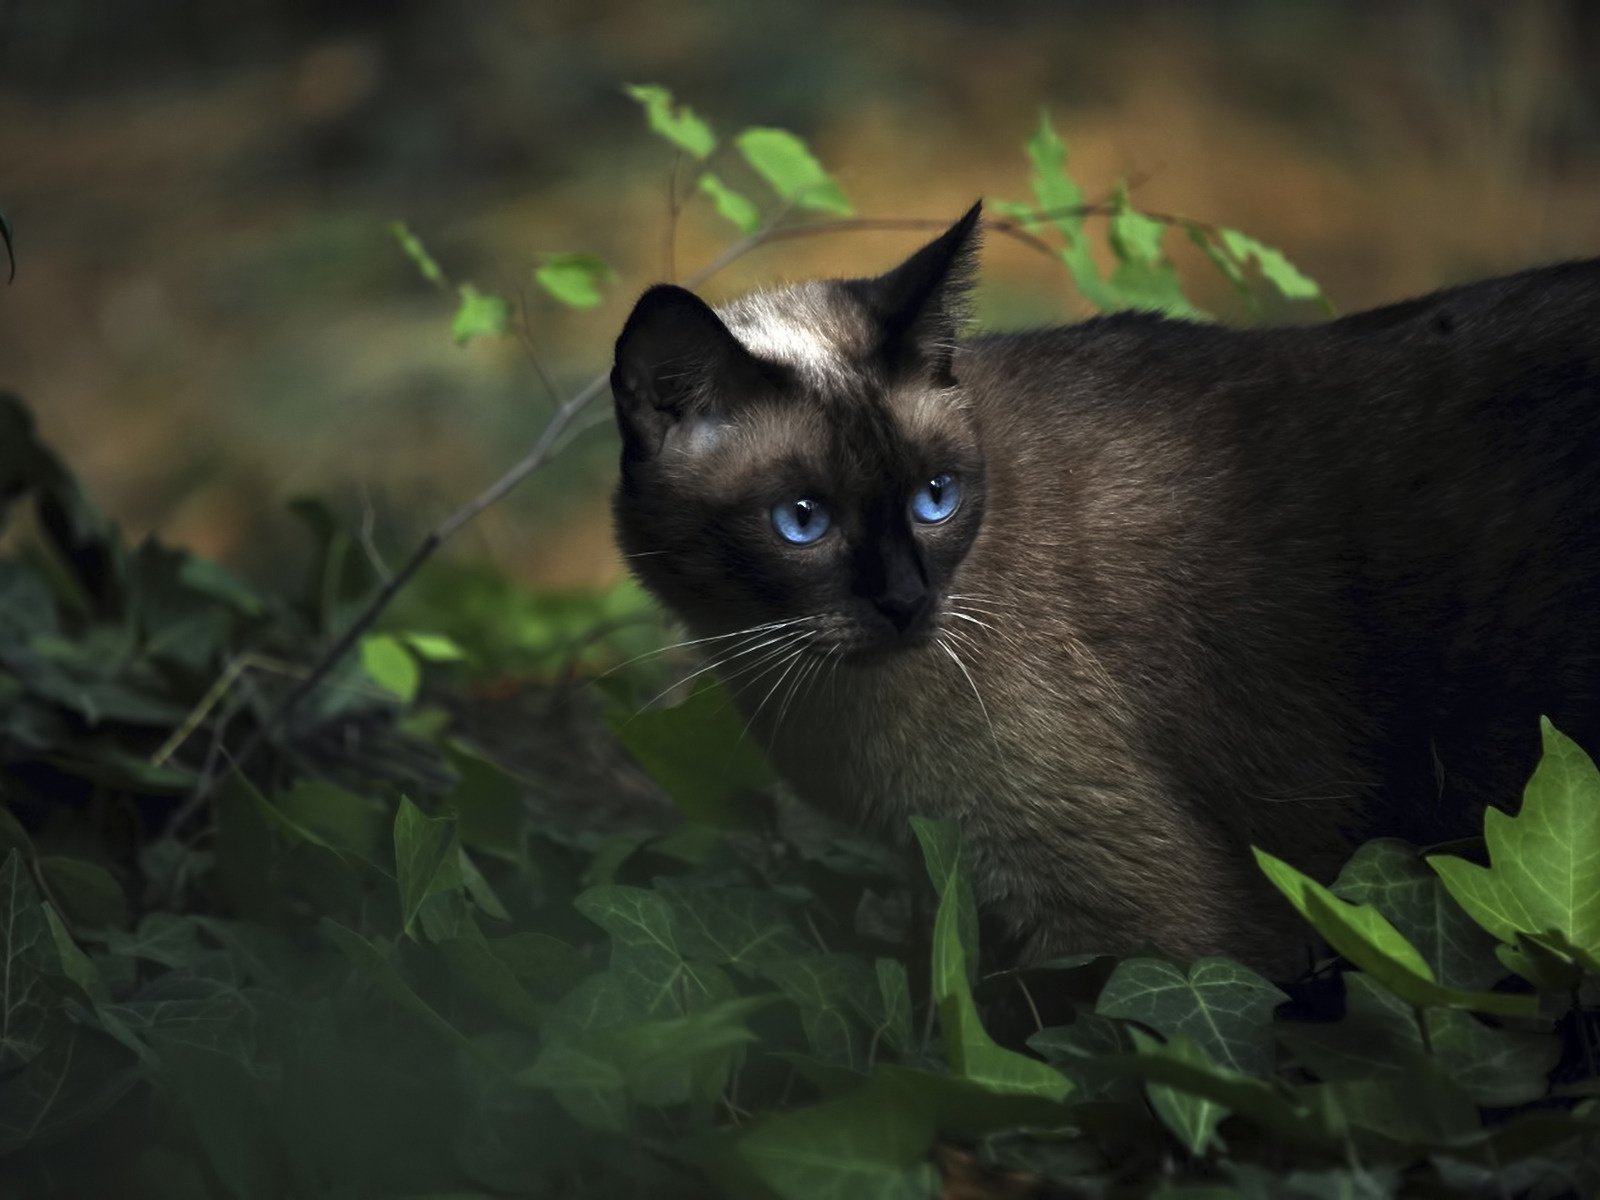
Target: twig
(674, 207)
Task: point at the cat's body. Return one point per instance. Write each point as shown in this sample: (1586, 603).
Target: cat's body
(1201, 588)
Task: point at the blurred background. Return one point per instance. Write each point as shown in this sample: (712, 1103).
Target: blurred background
(210, 317)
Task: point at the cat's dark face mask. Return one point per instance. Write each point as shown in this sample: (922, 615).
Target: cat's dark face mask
(802, 466)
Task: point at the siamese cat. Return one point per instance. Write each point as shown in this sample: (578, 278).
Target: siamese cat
(1129, 596)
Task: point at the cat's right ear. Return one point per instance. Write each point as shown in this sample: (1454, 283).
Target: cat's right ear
(676, 366)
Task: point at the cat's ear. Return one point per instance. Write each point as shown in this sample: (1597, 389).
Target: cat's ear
(922, 304)
(676, 364)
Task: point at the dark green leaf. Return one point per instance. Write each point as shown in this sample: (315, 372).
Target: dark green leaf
(1391, 877)
(427, 858)
(375, 965)
(27, 958)
(1222, 1008)
(1379, 1039)
(873, 1144)
(698, 752)
(1192, 1118)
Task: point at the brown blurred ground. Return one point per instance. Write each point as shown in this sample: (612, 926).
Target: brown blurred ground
(210, 318)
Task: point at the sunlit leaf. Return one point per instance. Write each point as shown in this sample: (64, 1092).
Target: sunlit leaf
(679, 125)
(480, 314)
(1276, 268)
(1544, 872)
(732, 206)
(417, 253)
(791, 170)
(573, 279)
(391, 665)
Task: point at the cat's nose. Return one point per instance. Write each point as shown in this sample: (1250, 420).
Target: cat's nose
(907, 610)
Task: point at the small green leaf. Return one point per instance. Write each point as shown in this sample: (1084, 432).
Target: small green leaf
(1221, 1007)
(433, 647)
(427, 856)
(391, 665)
(731, 205)
(679, 125)
(1275, 268)
(480, 314)
(1544, 872)
(573, 279)
(418, 253)
(829, 990)
(790, 169)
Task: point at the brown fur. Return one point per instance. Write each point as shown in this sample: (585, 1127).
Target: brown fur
(1207, 588)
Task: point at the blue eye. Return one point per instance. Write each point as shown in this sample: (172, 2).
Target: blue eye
(800, 521)
(936, 499)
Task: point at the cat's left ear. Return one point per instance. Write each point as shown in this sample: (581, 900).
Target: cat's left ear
(922, 304)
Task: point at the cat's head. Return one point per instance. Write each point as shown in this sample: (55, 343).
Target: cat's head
(804, 455)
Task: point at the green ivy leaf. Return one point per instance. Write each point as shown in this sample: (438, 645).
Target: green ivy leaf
(27, 958)
(698, 752)
(829, 990)
(941, 850)
(968, 1046)
(88, 894)
(790, 169)
(1390, 876)
(1367, 939)
(1544, 872)
(679, 125)
(872, 1144)
(427, 857)
(373, 962)
(730, 926)
(1222, 1008)
(731, 206)
(573, 279)
(480, 314)
(1193, 1119)
(1378, 1039)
